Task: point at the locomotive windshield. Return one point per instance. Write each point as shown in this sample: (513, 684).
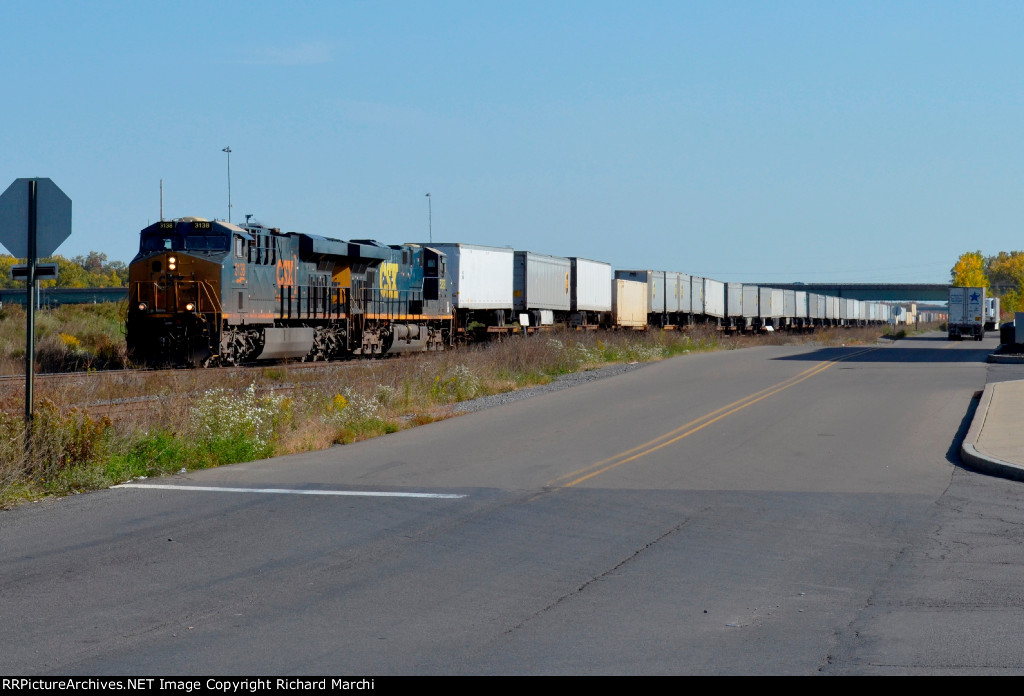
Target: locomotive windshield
(163, 240)
(195, 242)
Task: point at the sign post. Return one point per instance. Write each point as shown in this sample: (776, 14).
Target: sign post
(30, 333)
(35, 218)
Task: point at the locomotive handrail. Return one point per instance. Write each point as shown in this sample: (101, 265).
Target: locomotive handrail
(312, 302)
(151, 292)
(212, 298)
(390, 305)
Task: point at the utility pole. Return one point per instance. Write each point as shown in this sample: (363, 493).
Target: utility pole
(228, 150)
(430, 219)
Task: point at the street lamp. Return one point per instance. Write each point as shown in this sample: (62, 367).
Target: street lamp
(430, 219)
(228, 150)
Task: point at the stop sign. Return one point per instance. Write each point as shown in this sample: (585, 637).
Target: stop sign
(53, 217)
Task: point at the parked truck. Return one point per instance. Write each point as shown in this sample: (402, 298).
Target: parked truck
(992, 314)
(966, 313)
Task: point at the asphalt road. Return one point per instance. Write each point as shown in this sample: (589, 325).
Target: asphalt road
(782, 510)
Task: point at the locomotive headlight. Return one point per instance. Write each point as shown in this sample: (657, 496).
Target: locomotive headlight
(189, 307)
(142, 306)
(172, 259)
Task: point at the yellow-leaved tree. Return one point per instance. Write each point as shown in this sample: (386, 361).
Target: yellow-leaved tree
(969, 271)
(1006, 270)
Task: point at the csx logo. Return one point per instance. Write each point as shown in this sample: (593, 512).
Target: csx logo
(389, 280)
(285, 272)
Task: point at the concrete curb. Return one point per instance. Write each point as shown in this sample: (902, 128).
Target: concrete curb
(978, 460)
(1005, 359)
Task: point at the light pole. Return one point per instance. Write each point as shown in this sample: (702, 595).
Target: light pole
(228, 150)
(430, 218)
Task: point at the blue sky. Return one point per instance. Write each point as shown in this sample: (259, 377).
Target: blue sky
(753, 141)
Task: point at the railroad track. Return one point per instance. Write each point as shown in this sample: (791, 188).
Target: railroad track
(241, 369)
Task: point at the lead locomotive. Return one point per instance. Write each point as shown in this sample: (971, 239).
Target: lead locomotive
(205, 292)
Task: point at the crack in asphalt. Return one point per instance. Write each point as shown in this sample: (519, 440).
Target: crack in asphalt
(597, 578)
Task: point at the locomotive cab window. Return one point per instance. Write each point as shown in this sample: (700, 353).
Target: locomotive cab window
(430, 264)
(239, 247)
(161, 242)
(202, 242)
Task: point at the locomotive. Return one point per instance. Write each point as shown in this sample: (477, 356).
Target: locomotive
(208, 292)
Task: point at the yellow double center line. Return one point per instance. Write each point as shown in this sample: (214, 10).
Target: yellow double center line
(589, 472)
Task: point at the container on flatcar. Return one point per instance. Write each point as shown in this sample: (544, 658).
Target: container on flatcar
(802, 308)
(814, 313)
(845, 309)
(714, 298)
(541, 282)
(684, 293)
(591, 286)
(655, 282)
(480, 276)
(734, 301)
(672, 298)
(629, 303)
(697, 295)
(751, 296)
(770, 304)
(789, 304)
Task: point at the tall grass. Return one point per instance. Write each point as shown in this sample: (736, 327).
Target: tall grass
(68, 338)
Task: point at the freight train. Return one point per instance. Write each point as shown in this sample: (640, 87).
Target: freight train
(208, 292)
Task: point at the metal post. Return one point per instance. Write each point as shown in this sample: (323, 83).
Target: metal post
(30, 338)
(228, 150)
(430, 219)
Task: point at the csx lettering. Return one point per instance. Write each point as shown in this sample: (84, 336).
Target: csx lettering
(286, 272)
(389, 280)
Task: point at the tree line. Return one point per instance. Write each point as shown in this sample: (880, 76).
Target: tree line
(1002, 273)
(90, 271)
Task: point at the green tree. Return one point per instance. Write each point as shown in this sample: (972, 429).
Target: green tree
(91, 271)
(94, 262)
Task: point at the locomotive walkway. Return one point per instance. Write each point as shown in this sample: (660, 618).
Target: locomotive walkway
(995, 441)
